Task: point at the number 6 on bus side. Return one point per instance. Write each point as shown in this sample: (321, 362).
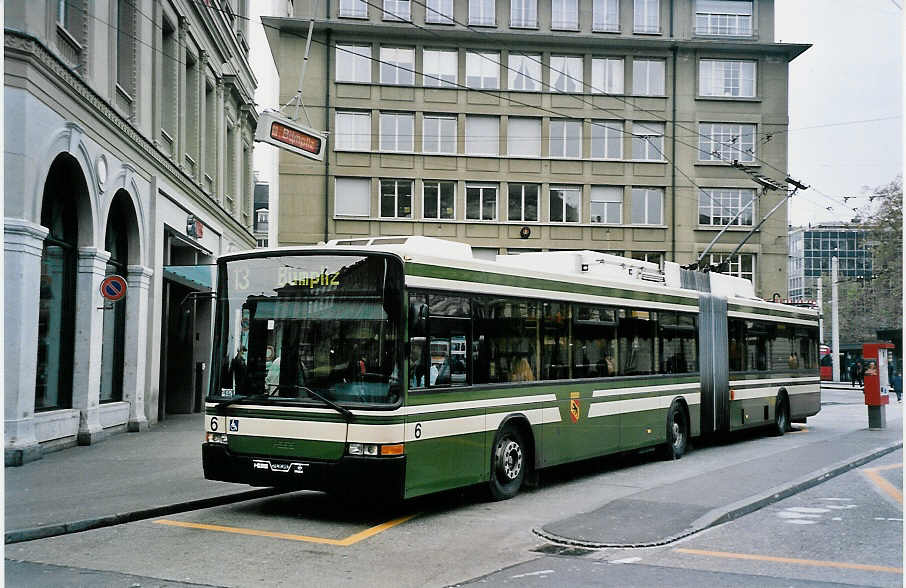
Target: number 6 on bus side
(213, 423)
(418, 430)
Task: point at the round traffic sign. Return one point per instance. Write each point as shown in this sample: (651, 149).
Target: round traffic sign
(113, 288)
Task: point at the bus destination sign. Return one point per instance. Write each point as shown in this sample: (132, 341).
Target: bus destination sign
(278, 130)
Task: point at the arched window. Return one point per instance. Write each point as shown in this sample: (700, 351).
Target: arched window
(56, 310)
(117, 244)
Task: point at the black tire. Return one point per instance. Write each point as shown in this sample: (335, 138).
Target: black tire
(677, 432)
(508, 463)
(781, 416)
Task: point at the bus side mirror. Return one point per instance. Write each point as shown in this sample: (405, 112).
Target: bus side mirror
(418, 319)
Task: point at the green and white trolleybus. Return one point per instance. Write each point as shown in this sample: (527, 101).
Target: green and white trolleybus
(400, 366)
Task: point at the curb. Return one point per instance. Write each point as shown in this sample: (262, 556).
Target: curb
(56, 529)
(740, 508)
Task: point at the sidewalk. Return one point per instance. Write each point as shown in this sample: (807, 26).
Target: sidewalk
(665, 513)
(130, 476)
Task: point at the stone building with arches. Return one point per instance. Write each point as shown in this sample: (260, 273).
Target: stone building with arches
(128, 136)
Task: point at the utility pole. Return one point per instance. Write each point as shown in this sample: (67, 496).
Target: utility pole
(835, 318)
(820, 310)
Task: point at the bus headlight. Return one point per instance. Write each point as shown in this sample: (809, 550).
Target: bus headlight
(220, 438)
(373, 449)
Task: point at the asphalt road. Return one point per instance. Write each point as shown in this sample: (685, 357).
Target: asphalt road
(846, 531)
(305, 539)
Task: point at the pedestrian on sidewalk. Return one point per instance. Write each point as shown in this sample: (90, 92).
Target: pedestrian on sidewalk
(897, 383)
(855, 373)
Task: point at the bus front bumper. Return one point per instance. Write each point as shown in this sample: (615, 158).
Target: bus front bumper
(349, 476)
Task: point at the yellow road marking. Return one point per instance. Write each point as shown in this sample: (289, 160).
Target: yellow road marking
(793, 560)
(885, 486)
(355, 538)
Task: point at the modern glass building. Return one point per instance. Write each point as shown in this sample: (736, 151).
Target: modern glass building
(811, 251)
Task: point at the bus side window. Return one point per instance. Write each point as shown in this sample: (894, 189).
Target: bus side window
(449, 330)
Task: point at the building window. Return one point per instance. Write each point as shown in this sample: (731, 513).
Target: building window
(564, 204)
(354, 8)
(352, 197)
(481, 202)
(606, 16)
(646, 16)
(482, 135)
(656, 257)
(524, 14)
(192, 113)
(525, 72)
(396, 198)
(438, 200)
(439, 11)
(262, 220)
(397, 131)
(482, 12)
(566, 138)
(211, 148)
(353, 63)
(718, 206)
(169, 83)
(439, 134)
(566, 74)
(648, 77)
(647, 205)
(606, 139)
(397, 66)
(396, 10)
(723, 17)
(607, 75)
(717, 77)
(607, 204)
(524, 137)
(726, 142)
(114, 321)
(648, 141)
(741, 265)
(440, 68)
(483, 70)
(125, 45)
(522, 202)
(353, 132)
(565, 15)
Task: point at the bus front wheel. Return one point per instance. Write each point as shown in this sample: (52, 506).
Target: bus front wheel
(508, 463)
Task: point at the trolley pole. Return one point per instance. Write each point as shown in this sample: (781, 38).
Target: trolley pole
(835, 318)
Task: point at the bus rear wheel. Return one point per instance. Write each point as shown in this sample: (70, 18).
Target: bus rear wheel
(677, 432)
(508, 463)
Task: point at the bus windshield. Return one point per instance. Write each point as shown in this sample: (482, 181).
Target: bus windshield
(308, 328)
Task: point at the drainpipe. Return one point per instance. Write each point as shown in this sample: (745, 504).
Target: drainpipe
(673, 149)
(327, 83)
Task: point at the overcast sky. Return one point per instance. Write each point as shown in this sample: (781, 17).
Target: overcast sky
(853, 72)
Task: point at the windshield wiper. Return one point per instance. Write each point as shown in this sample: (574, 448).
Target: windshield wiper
(243, 399)
(347, 414)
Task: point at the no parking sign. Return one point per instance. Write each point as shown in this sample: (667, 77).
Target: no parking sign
(113, 288)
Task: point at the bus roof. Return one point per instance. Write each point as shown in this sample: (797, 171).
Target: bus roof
(584, 267)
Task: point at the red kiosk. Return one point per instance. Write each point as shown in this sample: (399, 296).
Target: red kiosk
(877, 383)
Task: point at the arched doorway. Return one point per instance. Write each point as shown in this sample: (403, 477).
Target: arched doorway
(64, 189)
(116, 242)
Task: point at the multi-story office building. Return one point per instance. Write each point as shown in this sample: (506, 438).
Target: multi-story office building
(813, 247)
(519, 125)
(128, 139)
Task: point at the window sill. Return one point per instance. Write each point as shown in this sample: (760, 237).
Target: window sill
(525, 27)
(726, 163)
(567, 29)
(438, 22)
(729, 98)
(612, 30)
(354, 16)
(734, 228)
(483, 24)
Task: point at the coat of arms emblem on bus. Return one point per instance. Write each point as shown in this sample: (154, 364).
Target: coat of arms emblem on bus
(574, 406)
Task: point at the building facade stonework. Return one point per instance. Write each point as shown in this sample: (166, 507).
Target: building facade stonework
(123, 119)
(608, 125)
